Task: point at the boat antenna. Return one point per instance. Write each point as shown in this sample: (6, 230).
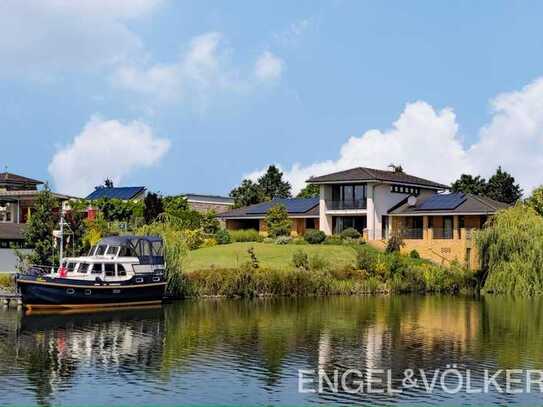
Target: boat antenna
(61, 253)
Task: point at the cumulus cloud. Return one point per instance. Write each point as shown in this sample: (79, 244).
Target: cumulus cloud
(105, 148)
(427, 143)
(203, 69)
(268, 67)
(43, 38)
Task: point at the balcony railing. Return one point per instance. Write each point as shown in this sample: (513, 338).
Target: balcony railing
(415, 233)
(350, 204)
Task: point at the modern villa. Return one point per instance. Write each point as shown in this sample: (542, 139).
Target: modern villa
(380, 203)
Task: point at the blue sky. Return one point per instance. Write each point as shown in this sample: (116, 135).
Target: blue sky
(192, 96)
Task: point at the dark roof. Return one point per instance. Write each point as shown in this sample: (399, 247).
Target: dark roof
(302, 207)
(124, 193)
(8, 177)
(449, 204)
(210, 198)
(370, 174)
(11, 231)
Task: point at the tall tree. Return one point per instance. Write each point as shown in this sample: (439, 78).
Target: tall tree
(501, 187)
(277, 221)
(273, 185)
(108, 183)
(536, 200)
(309, 191)
(38, 233)
(470, 185)
(153, 207)
(248, 193)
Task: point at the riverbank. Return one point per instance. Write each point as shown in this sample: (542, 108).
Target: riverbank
(267, 269)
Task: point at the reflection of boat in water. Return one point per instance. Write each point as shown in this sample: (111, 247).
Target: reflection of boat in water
(119, 271)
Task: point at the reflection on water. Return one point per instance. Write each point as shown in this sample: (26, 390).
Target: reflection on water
(249, 352)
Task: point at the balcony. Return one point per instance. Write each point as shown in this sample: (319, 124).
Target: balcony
(346, 204)
(411, 233)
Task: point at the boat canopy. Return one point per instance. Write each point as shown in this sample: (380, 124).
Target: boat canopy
(148, 249)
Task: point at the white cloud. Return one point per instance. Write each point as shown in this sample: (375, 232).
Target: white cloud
(205, 68)
(43, 38)
(268, 67)
(105, 148)
(426, 142)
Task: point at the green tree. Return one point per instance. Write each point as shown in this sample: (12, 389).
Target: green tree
(501, 187)
(470, 185)
(108, 183)
(152, 207)
(248, 193)
(535, 201)
(277, 221)
(210, 223)
(179, 213)
(38, 233)
(310, 191)
(273, 185)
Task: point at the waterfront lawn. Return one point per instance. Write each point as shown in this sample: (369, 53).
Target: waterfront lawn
(268, 254)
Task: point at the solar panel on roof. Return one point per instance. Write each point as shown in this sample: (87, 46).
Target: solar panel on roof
(123, 193)
(295, 205)
(443, 202)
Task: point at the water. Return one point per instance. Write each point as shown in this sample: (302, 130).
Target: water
(249, 352)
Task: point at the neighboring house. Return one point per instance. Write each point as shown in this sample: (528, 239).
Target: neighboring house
(122, 193)
(205, 203)
(304, 213)
(361, 197)
(440, 226)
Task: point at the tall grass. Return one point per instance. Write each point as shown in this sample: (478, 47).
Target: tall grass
(249, 235)
(511, 251)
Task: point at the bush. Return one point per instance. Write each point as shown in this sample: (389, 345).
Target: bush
(350, 233)
(366, 259)
(223, 236)
(318, 263)
(299, 241)
(300, 260)
(313, 236)
(283, 240)
(414, 254)
(6, 280)
(209, 242)
(193, 238)
(394, 244)
(247, 235)
(268, 240)
(277, 221)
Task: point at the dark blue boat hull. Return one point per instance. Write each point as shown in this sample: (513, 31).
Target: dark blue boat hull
(49, 292)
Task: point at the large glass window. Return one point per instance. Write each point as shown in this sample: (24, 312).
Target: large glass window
(447, 227)
(340, 223)
(348, 196)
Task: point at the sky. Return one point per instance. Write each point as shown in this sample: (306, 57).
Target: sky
(194, 96)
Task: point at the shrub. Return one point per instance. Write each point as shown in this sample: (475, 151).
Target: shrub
(394, 244)
(247, 235)
(333, 240)
(414, 254)
(350, 233)
(209, 242)
(193, 238)
(366, 259)
(318, 263)
(313, 236)
(283, 240)
(254, 260)
(269, 240)
(6, 280)
(223, 236)
(277, 221)
(299, 241)
(210, 223)
(300, 260)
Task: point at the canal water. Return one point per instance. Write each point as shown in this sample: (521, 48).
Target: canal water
(251, 352)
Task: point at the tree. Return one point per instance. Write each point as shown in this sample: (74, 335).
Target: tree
(108, 183)
(210, 223)
(180, 214)
(273, 185)
(501, 187)
(152, 207)
(310, 191)
(470, 185)
(535, 201)
(277, 221)
(397, 169)
(38, 233)
(248, 193)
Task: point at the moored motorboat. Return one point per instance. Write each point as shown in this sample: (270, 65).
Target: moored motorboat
(118, 271)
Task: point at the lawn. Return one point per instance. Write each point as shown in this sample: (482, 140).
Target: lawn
(268, 254)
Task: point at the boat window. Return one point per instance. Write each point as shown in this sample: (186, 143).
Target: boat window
(112, 250)
(121, 272)
(83, 268)
(96, 268)
(126, 251)
(157, 248)
(71, 266)
(100, 250)
(109, 268)
(91, 250)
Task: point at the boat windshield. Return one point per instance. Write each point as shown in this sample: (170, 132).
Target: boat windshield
(112, 250)
(83, 268)
(91, 251)
(100, 250)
